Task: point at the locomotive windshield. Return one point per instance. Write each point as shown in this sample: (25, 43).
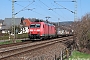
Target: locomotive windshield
(35, 26)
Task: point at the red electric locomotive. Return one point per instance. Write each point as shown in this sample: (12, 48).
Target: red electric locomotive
(41, 30)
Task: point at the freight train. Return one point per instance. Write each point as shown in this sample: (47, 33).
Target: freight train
(43, 30)
(40, 30)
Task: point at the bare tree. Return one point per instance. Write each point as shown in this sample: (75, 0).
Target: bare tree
(82, 31)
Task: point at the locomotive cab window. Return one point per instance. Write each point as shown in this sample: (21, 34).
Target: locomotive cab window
(35, 26)
(38, 25)
(32, 25)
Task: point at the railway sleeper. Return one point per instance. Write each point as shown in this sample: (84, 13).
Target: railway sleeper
(15, 52)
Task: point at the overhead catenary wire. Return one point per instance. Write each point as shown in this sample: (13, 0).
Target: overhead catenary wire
(28, 5)
(25, 7)
(51, 10)
(19, 4)
(55, 8)
(46, 10)
(22, 1)
(63, 7)
(61, 11)
(39, 7)
(65, 1)
(16, 2)
(58, 14)
(75, 10)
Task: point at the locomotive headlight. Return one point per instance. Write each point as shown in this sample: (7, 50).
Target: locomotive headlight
(31, 30)
(38, 29)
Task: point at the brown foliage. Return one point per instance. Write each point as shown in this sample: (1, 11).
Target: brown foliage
(82, 32)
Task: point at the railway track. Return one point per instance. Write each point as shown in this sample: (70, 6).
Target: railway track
(7, 51)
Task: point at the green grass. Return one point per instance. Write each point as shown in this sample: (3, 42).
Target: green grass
(6, 37)
(79, 56)
(18, 36)
(9, 42)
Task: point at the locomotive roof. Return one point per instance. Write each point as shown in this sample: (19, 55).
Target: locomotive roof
(50, 24)
(45, 23)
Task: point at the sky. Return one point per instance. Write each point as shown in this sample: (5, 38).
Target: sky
(40, 9)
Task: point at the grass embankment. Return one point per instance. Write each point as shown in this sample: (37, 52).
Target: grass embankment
(18, 36)
(9, 42)
(6, 37)
(76, 55)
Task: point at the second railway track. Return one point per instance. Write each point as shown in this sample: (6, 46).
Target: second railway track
(17, 49)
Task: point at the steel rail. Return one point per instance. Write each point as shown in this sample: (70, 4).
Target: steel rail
(14, 50)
